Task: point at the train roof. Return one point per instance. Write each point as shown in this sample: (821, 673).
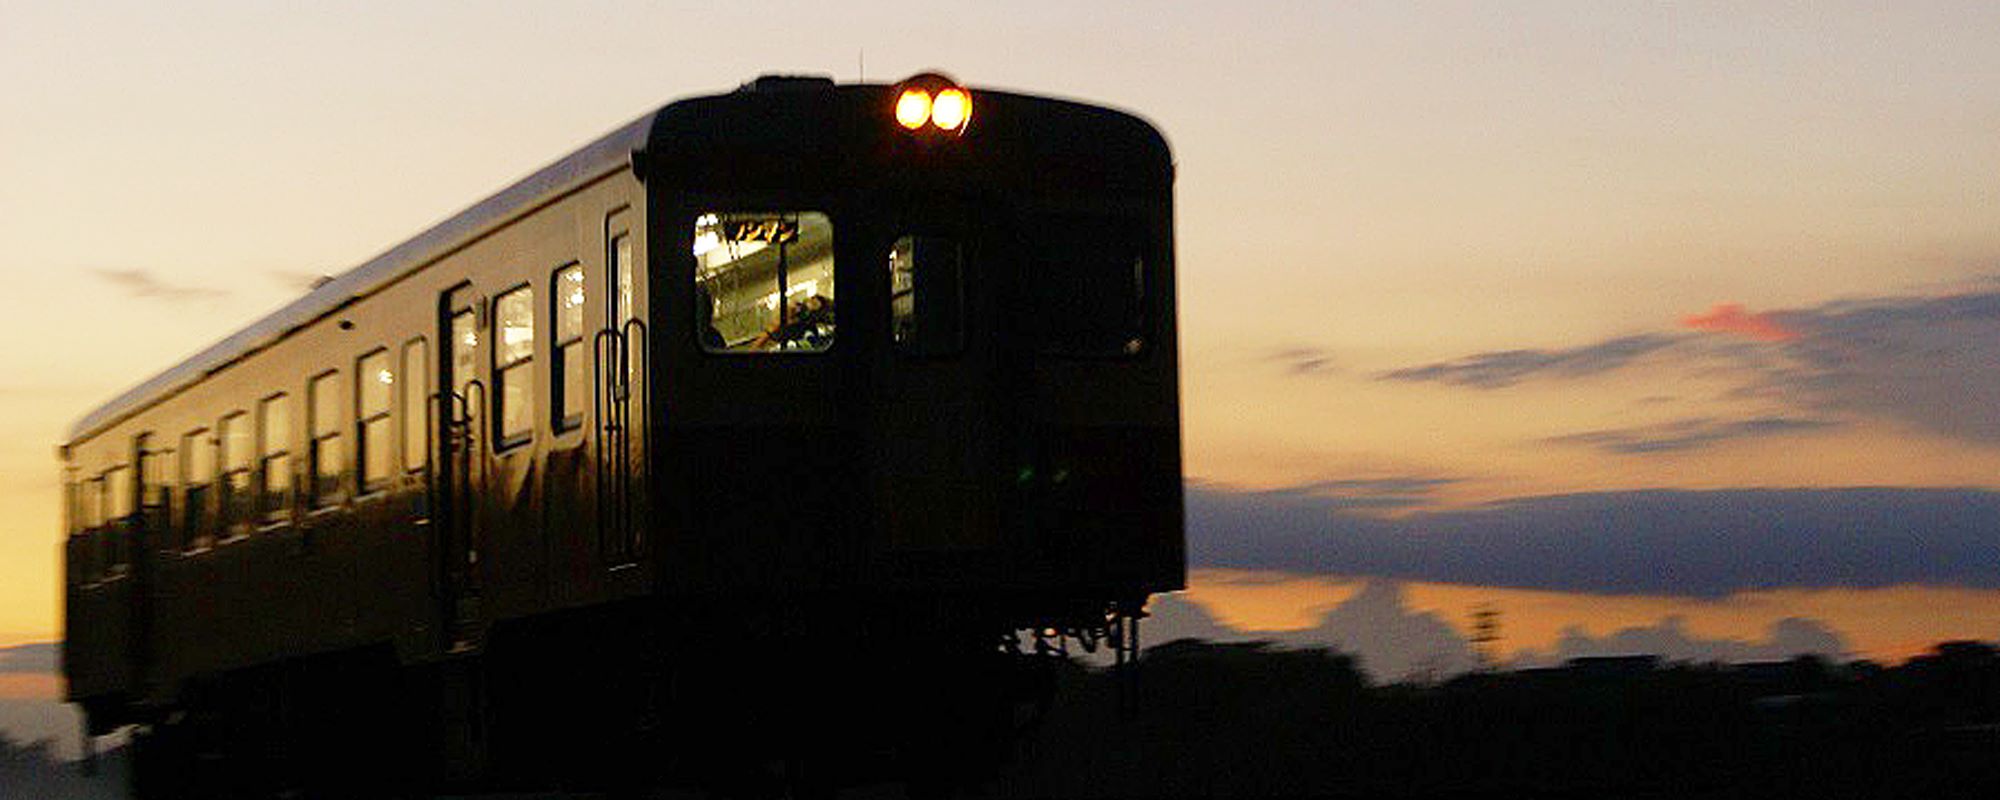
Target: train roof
(604, 156)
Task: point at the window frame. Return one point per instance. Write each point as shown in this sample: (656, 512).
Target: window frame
(420, 417)
(962, 301)
(362, 419)
(232, 525)
(561, 349)
(502, 439)
(117, 527)
(821, 206)
(271, 514)
(196, 513)
(320, 496)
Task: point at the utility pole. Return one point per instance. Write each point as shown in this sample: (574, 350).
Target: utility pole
(1486, 636)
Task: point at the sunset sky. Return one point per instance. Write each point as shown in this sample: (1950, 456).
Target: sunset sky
(1465, 287)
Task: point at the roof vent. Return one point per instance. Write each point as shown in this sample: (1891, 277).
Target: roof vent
(787, 83)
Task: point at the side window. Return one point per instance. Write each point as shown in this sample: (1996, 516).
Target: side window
(93, 529)
(568, 372)
(513, 357)
(118, 499)
(327, 460)
(764, 282)
(374, 393)
(155, 478)
(236, 443)
(927, 295)
(274, 459)
(416, 406)
(197, 476)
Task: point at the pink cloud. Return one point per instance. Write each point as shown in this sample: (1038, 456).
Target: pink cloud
(1731, 318)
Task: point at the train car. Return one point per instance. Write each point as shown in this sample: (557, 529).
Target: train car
(779, 426)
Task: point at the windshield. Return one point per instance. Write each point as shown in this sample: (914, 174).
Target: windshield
(1090, 282)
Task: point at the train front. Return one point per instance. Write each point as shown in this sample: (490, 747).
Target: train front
(915, 350)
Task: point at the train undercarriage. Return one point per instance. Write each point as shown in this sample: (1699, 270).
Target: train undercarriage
(791, 701)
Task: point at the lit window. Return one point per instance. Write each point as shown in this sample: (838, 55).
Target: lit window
(569, 370)
(416, 406)
(274, 459)
(513, 353)
(926, 295)
(374, 394)
(329, 463)
(237, 443)
(764, 282)
(197, 476)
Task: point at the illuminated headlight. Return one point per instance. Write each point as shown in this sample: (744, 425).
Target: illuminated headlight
(935, 101)
(913, 109)
(951, 110)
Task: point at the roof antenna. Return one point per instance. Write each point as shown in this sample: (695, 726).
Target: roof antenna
(861, 65)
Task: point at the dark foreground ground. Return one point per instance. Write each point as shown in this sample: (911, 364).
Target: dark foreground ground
(1253, 721)
(1250, 721)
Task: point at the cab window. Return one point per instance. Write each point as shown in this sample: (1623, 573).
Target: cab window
(764, 282)
(927, 295)
(1090, 286)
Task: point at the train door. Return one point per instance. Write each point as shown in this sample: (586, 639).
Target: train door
(935, 389)
(461, 436)
(619, 394)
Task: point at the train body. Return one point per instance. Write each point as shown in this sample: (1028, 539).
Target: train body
(767, 395)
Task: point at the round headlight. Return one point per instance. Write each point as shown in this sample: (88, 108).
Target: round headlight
(913, 108)
(951, 109)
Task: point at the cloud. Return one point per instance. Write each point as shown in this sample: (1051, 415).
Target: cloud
(1689, 434)
(1933, 363)
(1507, 367)
(33, 658)
(1385, 494)
(1306, 360)
(1376, 625)
(1929, 362)
(1687, 543)
(1391, 640)
(1785, 638)
(1730, 318)
(140, 283)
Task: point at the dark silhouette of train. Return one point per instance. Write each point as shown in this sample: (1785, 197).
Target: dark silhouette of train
(770, 437)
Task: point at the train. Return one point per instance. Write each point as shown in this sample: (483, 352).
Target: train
(775, 436)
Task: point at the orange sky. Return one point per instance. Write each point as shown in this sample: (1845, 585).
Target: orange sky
(1386, 184)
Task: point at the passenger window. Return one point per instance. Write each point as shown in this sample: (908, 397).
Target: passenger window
(274, 459)
(568, 373)
(513, 353)
(197, 475)
(621, 266)
(118, 509)
(764, 282)
(1091, 287)
(236, 444)
(155, 477)
(927, 295)
(327, 460)
(93, 524)
(374, 390)
(416, 406)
